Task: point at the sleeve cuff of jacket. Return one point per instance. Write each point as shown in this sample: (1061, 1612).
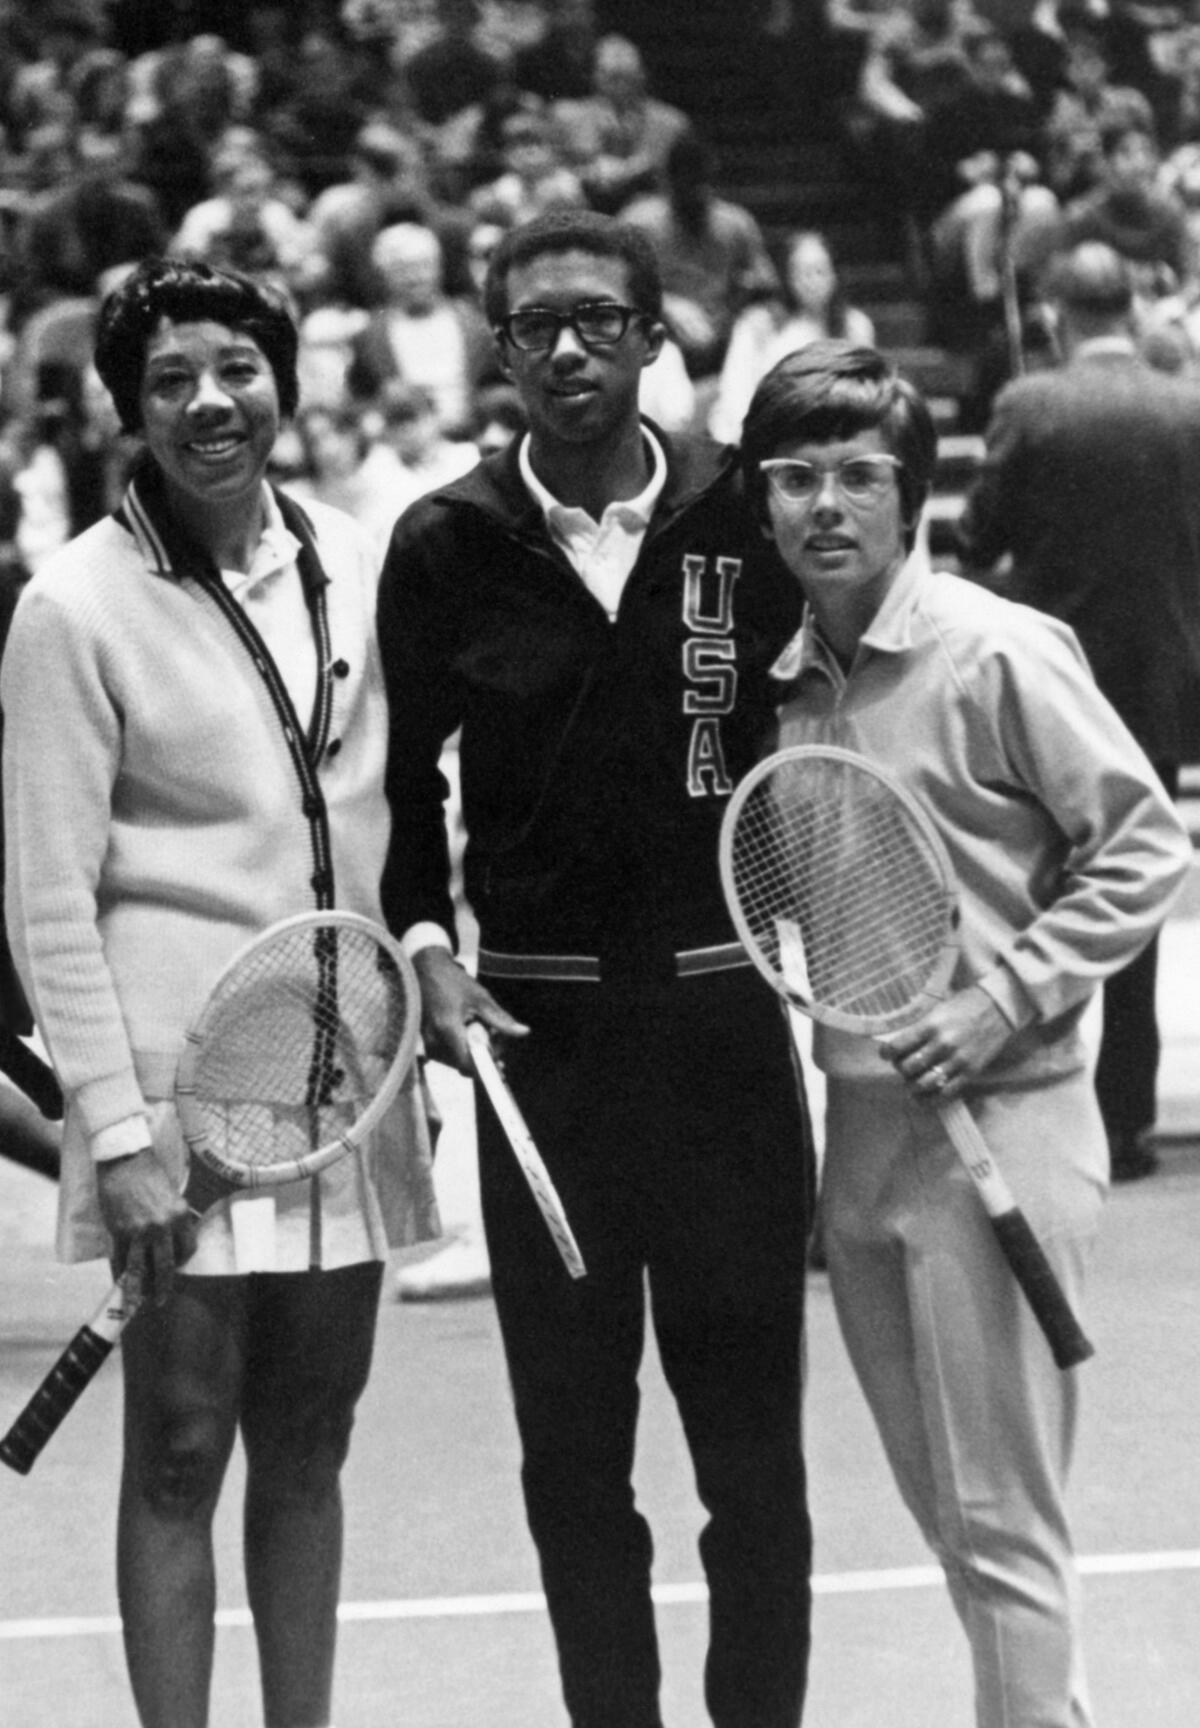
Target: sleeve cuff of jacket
(120, 1139)
(1006, 992)
(425, 935)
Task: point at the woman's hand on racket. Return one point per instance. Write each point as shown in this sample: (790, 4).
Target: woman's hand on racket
(943, 1052)
(450, 1000)
(152, 1228)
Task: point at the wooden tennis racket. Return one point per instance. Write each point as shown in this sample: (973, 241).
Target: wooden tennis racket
(303, 1042)
(842, 894)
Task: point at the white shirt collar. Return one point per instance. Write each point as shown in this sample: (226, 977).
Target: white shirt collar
(559, 516)
(277, 550)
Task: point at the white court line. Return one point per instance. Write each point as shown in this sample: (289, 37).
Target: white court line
(666, 1595)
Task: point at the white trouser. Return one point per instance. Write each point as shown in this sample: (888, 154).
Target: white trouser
(977, 1422)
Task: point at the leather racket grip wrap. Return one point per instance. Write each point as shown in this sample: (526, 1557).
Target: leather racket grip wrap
(54, 1398)
(1037, 1279)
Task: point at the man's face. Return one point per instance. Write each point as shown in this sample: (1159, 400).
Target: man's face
(573, 393)
(844, 554)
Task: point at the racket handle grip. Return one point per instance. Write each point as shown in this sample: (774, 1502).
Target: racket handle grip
(1037, 1279)
(70, 1376)
(1019, 1245)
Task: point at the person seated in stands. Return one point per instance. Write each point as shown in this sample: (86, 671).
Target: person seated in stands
(245, 225)
(914, 59)
(498, 418)
(453, 70)
(618, 139)
(809, 305)
(983, 172)
(40, 91)
(560, 63)
(1083, 107)
(535, 177)
(95, 218)
(1177, 104)
(333, 449)
(388, 184)
(312, 129)
(412, 431)
(419, 333)
(711, 254)
(1129, 211)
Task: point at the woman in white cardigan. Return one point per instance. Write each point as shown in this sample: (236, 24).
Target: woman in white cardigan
(194, 745)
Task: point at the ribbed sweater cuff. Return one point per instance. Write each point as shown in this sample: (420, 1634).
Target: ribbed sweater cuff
(102, 1102)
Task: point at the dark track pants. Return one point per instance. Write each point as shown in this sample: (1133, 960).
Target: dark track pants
(671, 1122)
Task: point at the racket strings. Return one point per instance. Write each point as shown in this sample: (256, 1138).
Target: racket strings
(831, 860)
(297, 1044)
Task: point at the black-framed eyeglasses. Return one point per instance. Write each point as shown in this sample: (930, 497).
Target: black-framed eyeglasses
(597, 324)
(861, 480)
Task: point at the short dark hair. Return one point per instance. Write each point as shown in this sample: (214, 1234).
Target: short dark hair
(186, 290)
(575, 231)
(832, 390)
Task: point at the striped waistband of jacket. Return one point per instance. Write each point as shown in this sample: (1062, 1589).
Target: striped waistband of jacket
(589, 969)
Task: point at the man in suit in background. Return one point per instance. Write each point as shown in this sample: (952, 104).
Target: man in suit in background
(1090, 495)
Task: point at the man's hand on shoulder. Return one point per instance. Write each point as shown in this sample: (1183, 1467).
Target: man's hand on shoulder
(450, 1000)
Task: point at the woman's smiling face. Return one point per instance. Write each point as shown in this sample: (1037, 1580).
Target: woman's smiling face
(210, 411)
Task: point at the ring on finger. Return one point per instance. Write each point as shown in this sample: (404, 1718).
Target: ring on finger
(937, 1076)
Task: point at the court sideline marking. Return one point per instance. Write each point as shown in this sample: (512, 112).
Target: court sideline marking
(665, 1595)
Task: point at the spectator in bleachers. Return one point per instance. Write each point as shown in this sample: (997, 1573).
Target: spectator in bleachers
(809, 305)
(245, 225)
(498, 418)
(468, 149)
(1178, 99)
(202, 81)
(1087, 103)
(982, 168)
(535, 177)
(335, 448)
(914, 59)
(559, 66)
(412, 432)
(619, 138)
(419, 333)
(313, 129)
(453, 70)
(40, 91)
(183, 99)
(711, 254)
(95, 218)
(69, 467)
(1128, 211)
(100, 87)
(388, 184)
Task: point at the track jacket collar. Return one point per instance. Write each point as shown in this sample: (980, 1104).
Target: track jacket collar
(889, 632)
(495, 485)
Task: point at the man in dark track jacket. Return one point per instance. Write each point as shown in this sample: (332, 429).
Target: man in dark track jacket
(598, 613)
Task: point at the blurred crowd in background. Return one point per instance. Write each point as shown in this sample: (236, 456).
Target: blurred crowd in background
(370, 153)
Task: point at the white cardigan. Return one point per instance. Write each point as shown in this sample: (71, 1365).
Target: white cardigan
(153, 813)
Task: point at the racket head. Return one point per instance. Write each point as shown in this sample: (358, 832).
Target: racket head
(303, 1042)
(840, 888)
